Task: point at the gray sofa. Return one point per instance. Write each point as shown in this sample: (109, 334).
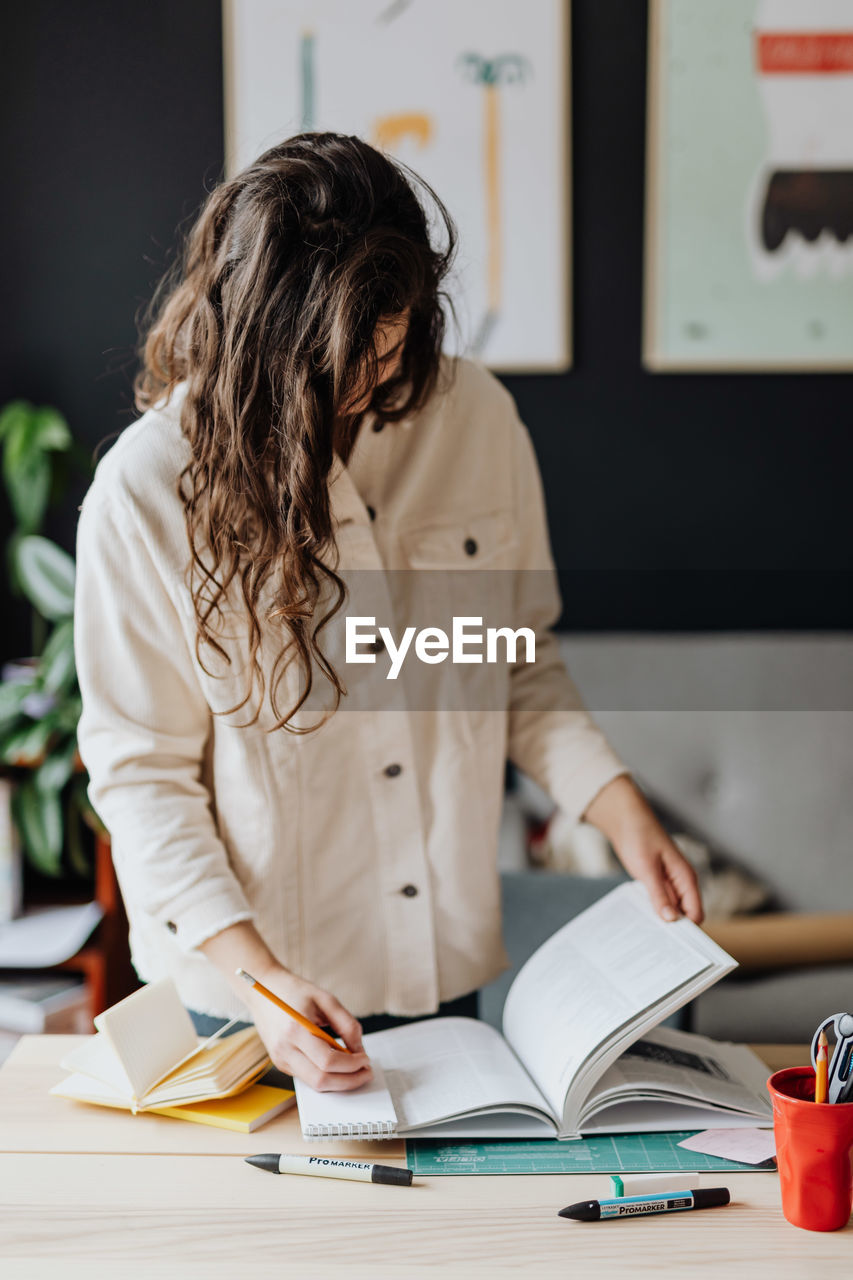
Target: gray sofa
(748, 739)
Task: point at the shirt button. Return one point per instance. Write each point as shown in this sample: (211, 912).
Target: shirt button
(409, 891)
(470, 547)
(378, 425)
(393, 771)
(371, 511)
(171, 926)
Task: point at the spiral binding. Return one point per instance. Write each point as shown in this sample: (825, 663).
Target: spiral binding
(379, 1129)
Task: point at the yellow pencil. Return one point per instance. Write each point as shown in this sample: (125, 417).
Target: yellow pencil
(821, 1068)
(294, 1013)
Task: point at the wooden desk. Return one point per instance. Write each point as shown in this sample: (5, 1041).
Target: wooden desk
(74, 1202)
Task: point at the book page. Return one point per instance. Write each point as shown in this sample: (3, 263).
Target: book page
(83, 1088)
(666, 1063)
(95, 1057)
(662, 1116)
(426, 1072)
(213, 1069)
(597, 974)
(182, 1094)
(150, 1032)
(448, 1067)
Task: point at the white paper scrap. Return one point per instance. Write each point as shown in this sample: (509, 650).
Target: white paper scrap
(47, 936)
(750, 1146)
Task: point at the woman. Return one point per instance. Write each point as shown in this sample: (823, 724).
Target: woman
(299, 426)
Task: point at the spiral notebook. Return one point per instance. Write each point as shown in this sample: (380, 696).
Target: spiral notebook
(581, 1050)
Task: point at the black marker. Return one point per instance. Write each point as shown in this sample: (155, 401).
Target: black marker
(329, 1167)
(634, 1206)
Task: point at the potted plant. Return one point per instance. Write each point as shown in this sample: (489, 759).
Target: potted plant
(39, 695)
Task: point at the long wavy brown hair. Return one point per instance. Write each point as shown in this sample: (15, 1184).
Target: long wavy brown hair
(270, 315)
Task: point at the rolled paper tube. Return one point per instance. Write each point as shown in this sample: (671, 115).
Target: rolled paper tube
(785, 940)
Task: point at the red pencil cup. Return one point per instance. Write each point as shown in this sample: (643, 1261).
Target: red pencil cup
(814, 1152)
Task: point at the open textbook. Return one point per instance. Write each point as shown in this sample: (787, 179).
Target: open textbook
(147, 1056)
(581, 1050)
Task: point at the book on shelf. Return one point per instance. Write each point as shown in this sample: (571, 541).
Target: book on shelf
(582, 1050)
(31, 1003)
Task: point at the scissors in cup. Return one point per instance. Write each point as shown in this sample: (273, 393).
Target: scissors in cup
(839, 1082)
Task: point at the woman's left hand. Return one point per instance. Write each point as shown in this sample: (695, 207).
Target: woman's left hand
(622, 813)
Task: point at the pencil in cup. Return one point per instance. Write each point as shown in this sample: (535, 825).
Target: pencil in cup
(821, 1069)
(293, 1013)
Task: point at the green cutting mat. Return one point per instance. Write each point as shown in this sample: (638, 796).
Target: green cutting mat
(616, 1153)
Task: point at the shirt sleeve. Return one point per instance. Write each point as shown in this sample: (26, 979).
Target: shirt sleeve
(552, 737)
(143, 730)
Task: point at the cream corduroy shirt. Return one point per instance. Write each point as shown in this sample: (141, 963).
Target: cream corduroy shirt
(363, 852)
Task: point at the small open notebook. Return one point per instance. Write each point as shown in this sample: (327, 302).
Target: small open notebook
(581, 1050)
(147, 1057)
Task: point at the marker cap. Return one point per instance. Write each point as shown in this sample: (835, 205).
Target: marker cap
(392, 1175)
(653, 1183)
(710, 1197)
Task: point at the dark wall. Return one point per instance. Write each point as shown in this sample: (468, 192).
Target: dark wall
(111, 135)
(676, 501)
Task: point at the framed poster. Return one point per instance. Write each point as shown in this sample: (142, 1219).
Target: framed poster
(749, 191)
(473, 97)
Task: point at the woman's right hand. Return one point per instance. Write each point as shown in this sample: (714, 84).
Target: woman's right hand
(295, 1050)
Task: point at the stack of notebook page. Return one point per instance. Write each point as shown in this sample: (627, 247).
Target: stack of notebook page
(147, 1057)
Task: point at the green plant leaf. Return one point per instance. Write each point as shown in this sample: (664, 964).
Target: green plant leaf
(21, 440)
(12, 694)
(27, 744)
(14, 421)
(30, 437)
(46, 574)
(66, 715)
(53, 774)
(57, 670)
(28, 485)
(10, 414)
(51, 430)
(28, 431)
(38, 817)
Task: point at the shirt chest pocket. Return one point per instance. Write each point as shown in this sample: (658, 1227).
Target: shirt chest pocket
(486, 541)
(459, 570)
